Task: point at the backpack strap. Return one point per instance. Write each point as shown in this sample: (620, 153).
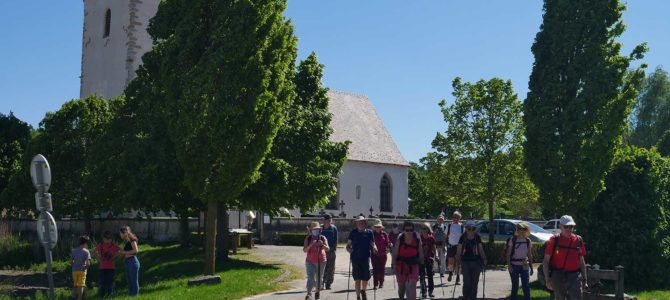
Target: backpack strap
(448, 229)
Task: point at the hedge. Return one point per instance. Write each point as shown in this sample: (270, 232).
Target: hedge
(496, 255)
(292, 238)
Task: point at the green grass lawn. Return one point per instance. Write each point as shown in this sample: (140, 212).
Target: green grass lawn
(165, 271)
(538, 293)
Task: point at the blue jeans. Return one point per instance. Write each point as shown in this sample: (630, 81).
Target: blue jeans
(132, 275)
(310, 269)
(525, 277)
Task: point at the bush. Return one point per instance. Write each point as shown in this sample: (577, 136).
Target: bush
(14, 251)
(292, 238)
(628, 223)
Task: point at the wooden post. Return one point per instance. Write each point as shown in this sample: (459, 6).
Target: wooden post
(619, 285)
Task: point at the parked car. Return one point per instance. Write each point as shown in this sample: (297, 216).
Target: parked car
(504, 228)
(552, 226)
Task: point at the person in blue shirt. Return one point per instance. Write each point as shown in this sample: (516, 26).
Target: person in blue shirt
(361, 245)
(329, 231)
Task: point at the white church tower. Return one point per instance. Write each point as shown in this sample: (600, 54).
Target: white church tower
(114, 40)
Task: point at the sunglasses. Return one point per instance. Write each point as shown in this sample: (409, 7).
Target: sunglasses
(521, 229)
(409, 229)
(568, 226)
(470, 228)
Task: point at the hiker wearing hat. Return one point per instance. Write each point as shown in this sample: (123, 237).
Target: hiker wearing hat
(564, 265)
(315, 246)
(520, 259)
(440, 234)
(454, 232)
(379, 259)
(407, 256)
(330, 232)
(361, 246)
(470, 258)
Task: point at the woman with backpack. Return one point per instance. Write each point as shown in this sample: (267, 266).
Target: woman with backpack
(407, 256)
(315, 246)
(382, 242)
(470, 258)
(520, 259)
(427, 273)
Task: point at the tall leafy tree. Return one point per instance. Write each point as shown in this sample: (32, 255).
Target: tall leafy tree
(302, 166)
(14, 138)
(663, 145)
(224, 70)
(482, 144)
(67, 138)
(651, 116)
(580, 95)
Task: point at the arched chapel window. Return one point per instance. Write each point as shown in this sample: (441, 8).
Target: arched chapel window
(385, 194)
(108, 22)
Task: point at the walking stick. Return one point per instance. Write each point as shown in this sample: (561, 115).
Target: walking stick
(349, 279)
(318, 270)
(453, 293)
(484, 287)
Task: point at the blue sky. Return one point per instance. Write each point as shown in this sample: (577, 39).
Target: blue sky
(401, 54)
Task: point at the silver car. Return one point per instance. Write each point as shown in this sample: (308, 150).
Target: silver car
(504, 228)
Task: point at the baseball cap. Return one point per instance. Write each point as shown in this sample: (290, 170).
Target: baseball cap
(567, 221)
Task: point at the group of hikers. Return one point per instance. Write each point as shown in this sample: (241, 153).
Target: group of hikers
(455, 248)
(106, 253)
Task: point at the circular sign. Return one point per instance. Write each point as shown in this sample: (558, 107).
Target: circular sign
(47, 231)
(40, 172)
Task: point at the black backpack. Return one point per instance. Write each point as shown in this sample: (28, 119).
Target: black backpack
(514, 243)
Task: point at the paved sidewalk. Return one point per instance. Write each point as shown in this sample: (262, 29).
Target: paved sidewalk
(498, 284)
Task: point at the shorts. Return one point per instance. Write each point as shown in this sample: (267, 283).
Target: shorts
(451, 251)
(79, 278)
(360, 270)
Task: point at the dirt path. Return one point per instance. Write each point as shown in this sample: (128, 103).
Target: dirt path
(497, 281)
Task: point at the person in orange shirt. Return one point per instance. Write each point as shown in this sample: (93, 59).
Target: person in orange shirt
(564, 265)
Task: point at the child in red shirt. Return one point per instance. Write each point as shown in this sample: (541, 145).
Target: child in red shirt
(106, 252)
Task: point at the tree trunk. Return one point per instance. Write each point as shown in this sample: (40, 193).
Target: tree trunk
(184, 232)
(491, 224)
(210, 239)
(261, 232)
(222, 237)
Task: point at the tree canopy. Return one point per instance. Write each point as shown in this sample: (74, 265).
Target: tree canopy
(14, 138)
(580, 95)
(651, 116)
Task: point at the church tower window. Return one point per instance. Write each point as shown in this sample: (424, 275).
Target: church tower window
(385, 194)
(108, 22)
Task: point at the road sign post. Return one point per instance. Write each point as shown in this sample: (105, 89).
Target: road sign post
(40, 172)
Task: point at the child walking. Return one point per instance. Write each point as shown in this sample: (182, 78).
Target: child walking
(81, 260)
(106, 252)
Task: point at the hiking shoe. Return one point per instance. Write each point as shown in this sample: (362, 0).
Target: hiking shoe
(317, 295)
(458, 279)
(441, 274)
(381, 285)
(328, 286)
(364, 296)
(449, 278)
(431, 295)
(308, 297)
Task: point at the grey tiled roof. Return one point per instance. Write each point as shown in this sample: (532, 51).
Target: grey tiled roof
(356, 120)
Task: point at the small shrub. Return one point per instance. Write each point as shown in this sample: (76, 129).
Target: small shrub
(292, 238)
(14, 251)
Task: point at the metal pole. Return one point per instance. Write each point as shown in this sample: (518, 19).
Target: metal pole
(47, 254)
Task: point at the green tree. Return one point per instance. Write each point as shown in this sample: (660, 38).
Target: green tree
(580, 95)
(481, 148)
(628, 223)
(224, 70)
(302, 166)
(135, 167)
(663, 145)
(14, 138)
(651, 115)
(424, 203)
(67, 139)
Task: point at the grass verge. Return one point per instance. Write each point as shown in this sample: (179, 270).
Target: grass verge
(166, 269)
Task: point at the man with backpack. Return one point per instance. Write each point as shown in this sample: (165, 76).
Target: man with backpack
(361, 246)
(564, 265)
(440, 234)
(329, 231)
(454, 232)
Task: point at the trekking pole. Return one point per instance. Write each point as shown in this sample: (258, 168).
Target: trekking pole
(349, 279)
(453, 293)
(318, 270)
(441, 282)
(484, 287)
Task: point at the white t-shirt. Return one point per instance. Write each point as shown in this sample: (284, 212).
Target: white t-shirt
(454, 233)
